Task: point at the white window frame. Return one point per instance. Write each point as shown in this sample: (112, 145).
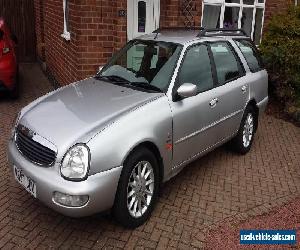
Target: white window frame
(66, 34)
(152, 17)
(240, 5)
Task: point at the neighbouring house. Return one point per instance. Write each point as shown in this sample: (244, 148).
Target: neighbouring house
(75, 37)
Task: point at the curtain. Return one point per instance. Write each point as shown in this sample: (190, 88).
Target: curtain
(211, 16)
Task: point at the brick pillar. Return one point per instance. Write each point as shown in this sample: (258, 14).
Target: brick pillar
(39, 28)
(100, 33)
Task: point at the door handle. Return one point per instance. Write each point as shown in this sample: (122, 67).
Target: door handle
(244, 89)
(213, 102)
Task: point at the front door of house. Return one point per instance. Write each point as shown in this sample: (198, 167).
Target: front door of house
(142, 18)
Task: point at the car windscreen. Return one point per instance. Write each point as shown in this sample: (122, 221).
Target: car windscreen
(144, 63)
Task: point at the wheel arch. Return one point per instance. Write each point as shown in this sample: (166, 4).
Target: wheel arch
(155, 150)
(252, 103)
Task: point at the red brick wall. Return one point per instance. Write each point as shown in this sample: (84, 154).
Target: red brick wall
(39, 28)
(172, 13)
(101, 33)
(60, 55)
(97, 32)
(275, 6)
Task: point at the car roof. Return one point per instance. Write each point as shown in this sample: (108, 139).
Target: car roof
(184, 36)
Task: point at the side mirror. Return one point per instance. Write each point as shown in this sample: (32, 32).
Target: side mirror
(187, 90)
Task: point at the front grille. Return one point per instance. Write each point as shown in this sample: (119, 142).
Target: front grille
(33, 150)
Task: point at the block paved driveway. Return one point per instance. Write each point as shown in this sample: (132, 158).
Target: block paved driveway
(219, 185)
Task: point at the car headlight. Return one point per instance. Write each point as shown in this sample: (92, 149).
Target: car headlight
(75, 164)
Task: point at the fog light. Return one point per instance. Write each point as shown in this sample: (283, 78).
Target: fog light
(70, 200)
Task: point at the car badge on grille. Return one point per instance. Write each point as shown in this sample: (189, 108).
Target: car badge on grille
(26, 131)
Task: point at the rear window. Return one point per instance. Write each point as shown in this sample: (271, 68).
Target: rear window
(251, 55)
(227, 66)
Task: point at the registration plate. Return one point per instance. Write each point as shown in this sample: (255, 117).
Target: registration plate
(25, 181)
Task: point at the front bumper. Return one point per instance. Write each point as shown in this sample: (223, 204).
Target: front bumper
(101, 187)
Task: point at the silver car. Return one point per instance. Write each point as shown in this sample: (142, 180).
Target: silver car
(164, 100)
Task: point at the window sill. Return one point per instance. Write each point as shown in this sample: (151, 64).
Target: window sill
(66, 35)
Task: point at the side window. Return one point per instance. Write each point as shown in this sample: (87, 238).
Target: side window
(250, 55)
(227, 67)
(196, 68)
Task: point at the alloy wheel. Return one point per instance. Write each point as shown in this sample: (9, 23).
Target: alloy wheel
(140, 189)
(248, 130)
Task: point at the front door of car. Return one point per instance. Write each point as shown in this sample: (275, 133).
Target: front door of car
(233, 87)
(194, 118)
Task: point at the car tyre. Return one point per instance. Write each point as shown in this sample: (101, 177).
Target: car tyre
(242, 142)
(137, 189)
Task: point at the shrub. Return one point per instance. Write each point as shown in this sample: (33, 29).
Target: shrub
(280, 49)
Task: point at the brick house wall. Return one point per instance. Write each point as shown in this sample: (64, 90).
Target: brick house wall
(275, 6)
(97, 32)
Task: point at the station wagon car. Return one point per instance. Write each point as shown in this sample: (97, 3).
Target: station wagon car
(167, 98)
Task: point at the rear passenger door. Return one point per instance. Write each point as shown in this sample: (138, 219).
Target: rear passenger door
(257, 76)
(233, 88)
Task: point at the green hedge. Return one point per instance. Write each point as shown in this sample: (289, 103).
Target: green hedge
(280, 49)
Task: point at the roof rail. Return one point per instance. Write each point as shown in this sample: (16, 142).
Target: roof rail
(177, 28)
(222, 32)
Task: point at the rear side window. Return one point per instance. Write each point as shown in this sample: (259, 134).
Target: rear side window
(227, 66)
(250, 55)
(196, 68)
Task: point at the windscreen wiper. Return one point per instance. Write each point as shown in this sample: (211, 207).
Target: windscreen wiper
(122, 81)
(113, 78)
(145, 85)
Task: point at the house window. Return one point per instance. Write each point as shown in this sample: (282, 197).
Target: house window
(66, 34)
(141, 16)
(235, 14)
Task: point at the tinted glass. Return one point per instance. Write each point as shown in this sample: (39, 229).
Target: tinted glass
(249, 2)
(231, 17)
(246, 21)
(232, 1)
(249, 54)
(258, 25)
(211, 16)
(226, 64)
(196, 68)
(141, 16)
